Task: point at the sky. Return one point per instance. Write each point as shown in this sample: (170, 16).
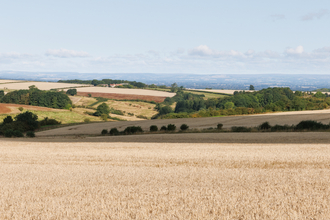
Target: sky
(157, 36)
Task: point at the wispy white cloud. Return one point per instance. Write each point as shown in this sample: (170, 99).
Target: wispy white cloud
(294, 51)
(311, 16)
(64, 53)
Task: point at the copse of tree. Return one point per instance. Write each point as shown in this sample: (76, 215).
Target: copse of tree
(36, 97)
(71, 92)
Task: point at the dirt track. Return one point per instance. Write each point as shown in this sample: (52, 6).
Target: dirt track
(197, 123)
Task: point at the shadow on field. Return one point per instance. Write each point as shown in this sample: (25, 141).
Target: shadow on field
(257, 137)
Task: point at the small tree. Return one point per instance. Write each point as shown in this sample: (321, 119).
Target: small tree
(184, 127)
(102, 109)
(153, 128)
(104, 117)
(265, 126)
(163, 128)
(8, 120)
(251, 87)
(219, 126)
(104, 131)
(28, 118)
(114, 131)
(20, 108)
(171, 127)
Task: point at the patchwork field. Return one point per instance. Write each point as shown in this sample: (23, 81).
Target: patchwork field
(73, 179)
(122, 96)
(281, 118)
(65, 116)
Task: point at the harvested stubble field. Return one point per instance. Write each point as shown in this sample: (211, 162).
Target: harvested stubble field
(39, 85)
(142, 92)
(82, 180)
(281, 118)
(8, 81)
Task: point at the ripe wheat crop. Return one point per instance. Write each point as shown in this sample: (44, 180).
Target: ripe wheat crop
(77, 180)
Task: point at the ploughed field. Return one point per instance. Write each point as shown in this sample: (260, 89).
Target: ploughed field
(75, 179)
(281, 118)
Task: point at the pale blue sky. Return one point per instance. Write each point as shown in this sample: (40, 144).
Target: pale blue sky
(129, 36)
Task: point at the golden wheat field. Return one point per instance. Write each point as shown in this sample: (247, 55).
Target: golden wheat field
(74, 179)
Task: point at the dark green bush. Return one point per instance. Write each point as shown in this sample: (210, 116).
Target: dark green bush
(104, 131)
(240, 129)
(311, 125)
(114, 131)
(8, 120)
(29, 119)
(30, 134)
(219, 126)
(17, 133)
(184, 127)
(47, 121)
(153, 128)
(171, 127)
(163, 128)
(281, 128)
(265, 126)
(133, 130)
(9, 133)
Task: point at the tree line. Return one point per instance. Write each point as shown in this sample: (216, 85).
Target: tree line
(266, 100)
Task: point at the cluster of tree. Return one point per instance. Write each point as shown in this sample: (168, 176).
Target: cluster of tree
(34, 96)
(71, 92)
(24, 122)
(266, 100)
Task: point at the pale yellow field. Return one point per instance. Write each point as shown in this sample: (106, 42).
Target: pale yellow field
(8, 81)
(39, 85)
(100, 180)
(145, 92)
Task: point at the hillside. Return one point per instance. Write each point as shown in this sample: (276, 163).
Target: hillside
(281, 118)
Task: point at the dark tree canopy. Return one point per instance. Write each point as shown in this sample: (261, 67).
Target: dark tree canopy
(71, 92)
(34, 96)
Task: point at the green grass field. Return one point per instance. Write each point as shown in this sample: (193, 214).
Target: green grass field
(66, 117)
